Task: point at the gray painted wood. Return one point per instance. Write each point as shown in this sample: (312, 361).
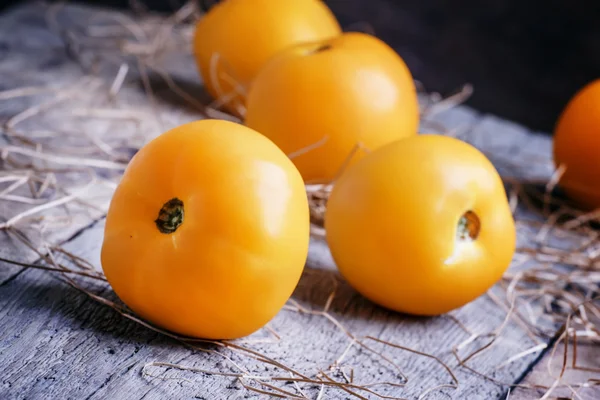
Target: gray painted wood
(58, 342)
(588, 357)
(55, 342)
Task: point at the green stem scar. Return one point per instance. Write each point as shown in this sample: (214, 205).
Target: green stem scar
(468, 227)
(170, 216)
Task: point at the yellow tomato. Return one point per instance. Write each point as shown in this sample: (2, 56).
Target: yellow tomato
(577, 146)
(339, 93)
(422, 225)
(238, 36)
(207, 233)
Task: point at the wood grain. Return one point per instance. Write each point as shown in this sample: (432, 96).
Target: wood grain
(547, 371)
(56, 342)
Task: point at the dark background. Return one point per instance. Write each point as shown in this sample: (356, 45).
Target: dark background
(525, 58)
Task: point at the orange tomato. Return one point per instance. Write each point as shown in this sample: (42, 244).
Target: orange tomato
(577, 146)
(422, 225)
(207, 233)
(339, 93)
(236, 37)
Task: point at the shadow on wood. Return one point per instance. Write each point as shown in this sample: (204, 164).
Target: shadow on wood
(43, 294)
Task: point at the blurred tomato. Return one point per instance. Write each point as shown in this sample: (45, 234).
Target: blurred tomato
(235, 38)
(421, 225)
(577, 146)
(342, 92)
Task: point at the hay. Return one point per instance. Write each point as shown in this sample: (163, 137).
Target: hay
(43, 169)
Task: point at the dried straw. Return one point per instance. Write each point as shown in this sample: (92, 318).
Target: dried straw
(553, 281)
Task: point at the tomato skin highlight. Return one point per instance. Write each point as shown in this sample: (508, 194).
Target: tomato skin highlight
(244, 34)
(331, 96)
(576, 146)
(237, 255)
(392, 219)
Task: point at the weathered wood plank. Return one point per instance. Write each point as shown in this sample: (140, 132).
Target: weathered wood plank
(588, 360)
(61, 343)
(55, 342)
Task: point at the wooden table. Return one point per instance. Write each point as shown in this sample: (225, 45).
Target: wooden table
(57, 342)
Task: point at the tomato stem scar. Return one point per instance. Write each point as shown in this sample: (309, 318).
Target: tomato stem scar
(468, 227)
(170, 216)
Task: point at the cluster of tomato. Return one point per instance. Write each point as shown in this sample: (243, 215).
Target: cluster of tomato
(208, 232)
